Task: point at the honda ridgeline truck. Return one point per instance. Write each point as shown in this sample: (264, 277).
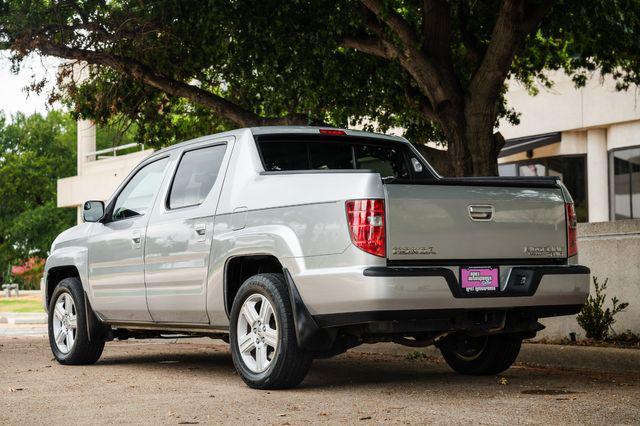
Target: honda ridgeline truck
(294, 243)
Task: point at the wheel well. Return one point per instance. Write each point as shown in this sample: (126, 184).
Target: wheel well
(238, 269)
(57, 274)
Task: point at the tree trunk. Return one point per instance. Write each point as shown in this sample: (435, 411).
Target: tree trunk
(472, 147)
(482, 151)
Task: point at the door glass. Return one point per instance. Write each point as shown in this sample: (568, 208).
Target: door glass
(138, 195)
(195, 176)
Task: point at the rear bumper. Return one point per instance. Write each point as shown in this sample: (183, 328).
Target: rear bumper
(441, 319)
(345, 296)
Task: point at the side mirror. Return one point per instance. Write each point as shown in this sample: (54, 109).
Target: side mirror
(93, 211)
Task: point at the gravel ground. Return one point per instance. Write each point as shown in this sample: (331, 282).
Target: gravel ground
(188, 382)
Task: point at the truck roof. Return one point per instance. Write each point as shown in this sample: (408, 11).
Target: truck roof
(272, 130)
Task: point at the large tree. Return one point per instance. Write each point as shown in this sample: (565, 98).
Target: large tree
(436, 68)
(34, 152)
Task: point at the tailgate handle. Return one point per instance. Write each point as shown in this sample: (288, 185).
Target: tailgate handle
(484, 212)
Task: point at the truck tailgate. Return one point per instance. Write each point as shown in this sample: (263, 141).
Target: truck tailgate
(434, 221)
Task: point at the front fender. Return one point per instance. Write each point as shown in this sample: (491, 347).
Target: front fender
(70, 256)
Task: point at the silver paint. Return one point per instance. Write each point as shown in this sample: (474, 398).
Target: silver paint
(176, 275)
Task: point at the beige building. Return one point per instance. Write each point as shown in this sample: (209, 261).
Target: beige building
(589, 136)
(99, 172)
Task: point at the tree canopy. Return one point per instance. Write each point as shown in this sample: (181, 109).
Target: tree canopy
(436, 68)
(34, 152)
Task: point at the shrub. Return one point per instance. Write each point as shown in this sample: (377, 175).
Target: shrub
(594, 319)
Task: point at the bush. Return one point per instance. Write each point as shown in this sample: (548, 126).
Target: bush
(593, 318)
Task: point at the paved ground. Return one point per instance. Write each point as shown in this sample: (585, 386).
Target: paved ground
(194, 382)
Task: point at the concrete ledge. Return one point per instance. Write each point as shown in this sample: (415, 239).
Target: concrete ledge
(17, 318)
(556, 356)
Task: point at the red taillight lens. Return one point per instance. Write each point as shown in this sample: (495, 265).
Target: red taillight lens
(572, 230)
(333, 132)
(367, 225)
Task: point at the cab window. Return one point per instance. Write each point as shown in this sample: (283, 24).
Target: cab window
(137, 196)
(196, 174)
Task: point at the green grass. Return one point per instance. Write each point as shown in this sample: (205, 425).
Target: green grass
(20, 305)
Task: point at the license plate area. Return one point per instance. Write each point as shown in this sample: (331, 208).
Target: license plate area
(479, 280)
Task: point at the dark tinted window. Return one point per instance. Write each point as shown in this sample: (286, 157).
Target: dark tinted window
(280, 156)
(195, 176)
(626, 183)
(330, 156)
(390, 159)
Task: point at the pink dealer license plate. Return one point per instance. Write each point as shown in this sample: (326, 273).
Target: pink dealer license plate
(483, 279)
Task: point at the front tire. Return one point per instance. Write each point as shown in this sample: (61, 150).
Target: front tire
(262, 335)
(71, 340)
(481, 356)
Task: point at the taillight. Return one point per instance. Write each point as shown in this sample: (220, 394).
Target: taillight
(367, 225)
(572, 230)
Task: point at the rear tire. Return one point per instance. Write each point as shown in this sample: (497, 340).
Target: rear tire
(481, 356)
(71, 339)
(262, 335)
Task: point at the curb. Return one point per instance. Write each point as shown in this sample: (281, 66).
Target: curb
(591, 358)
(22, 318)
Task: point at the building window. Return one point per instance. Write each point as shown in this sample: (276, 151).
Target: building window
(625, 183)
(572, 170)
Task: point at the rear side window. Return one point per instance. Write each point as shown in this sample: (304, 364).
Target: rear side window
(279, 156)
(196, 174)
(389, 159)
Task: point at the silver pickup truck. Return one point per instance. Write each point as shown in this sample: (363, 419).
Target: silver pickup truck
(294, 243)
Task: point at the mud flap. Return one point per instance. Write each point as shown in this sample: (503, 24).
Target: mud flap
(309, 335)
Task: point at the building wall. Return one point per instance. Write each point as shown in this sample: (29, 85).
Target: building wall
(98, 180)
(611, 250)
(563, 107)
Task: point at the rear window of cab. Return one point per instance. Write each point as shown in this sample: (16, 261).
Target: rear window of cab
(308, 152)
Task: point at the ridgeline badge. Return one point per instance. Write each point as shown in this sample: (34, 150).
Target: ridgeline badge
(553, 251)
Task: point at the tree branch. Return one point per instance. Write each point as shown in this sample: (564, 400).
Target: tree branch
(469, 40)
(394, 21)
(436, 28)
(147, 76)
(512, 26)
(372, 46)
(433, 82)
(420, 103)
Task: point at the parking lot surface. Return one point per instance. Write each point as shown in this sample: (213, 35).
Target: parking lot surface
(193, 382)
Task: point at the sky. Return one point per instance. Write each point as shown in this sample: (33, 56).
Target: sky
(13, 98)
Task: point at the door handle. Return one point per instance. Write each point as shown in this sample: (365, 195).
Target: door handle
(201, 230)
(136, 238)
(481, 212)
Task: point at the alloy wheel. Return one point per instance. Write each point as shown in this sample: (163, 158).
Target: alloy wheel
(65, 323)
(257, 333)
